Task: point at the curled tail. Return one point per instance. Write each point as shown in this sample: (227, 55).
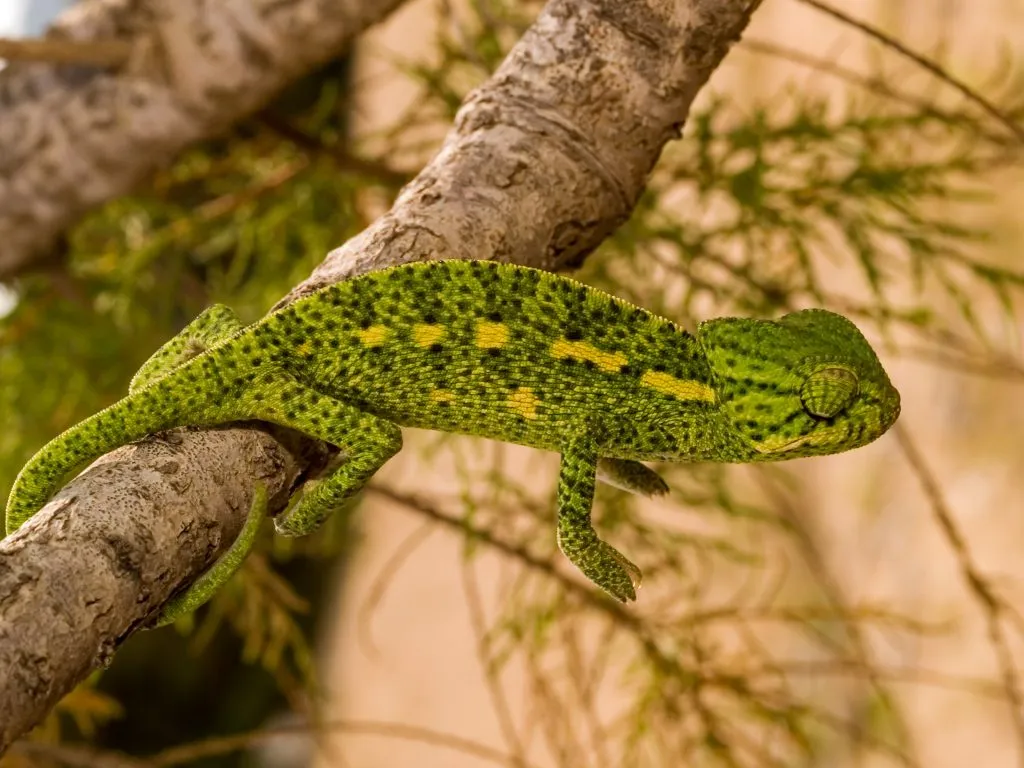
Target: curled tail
(178, 385)
(132, 418)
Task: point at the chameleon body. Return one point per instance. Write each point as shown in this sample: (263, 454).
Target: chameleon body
(508, 353)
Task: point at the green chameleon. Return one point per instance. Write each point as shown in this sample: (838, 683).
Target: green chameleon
(503, 352)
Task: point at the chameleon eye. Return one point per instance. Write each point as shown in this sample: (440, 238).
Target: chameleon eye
(828, 392)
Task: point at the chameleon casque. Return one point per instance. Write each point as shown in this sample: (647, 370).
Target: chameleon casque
(503, 352)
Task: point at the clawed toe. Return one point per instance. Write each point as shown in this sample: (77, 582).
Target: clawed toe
(605, 566)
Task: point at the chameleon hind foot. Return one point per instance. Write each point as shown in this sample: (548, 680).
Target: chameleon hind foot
(218, 574)
(601, 563)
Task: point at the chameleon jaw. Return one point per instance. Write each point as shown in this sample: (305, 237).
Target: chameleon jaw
(773, 445)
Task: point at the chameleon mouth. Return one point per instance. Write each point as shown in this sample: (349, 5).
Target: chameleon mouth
(891, 408)
(777, 445)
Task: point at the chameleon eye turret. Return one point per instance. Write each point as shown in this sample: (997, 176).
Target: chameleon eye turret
(829, 391)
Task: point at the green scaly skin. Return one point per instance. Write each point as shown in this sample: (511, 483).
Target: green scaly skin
(508, 353)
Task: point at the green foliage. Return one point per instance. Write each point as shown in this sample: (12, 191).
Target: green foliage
(767, 205)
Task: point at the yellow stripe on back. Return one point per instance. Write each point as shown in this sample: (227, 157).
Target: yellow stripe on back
(374, 336)
(426, 335)
(442, 396)
(681, 389)
(524, 402)
(491, 335)
(610, 362)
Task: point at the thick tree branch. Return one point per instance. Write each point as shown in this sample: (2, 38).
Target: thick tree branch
(75, 136)
(543, 161)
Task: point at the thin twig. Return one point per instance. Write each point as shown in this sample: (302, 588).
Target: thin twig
(992, 606)
(108, 54)
(223, 745)
(923, 62)
(876, 84)
(342, 160)
(499, 699)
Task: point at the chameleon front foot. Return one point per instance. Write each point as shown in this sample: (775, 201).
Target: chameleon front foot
(601, 563)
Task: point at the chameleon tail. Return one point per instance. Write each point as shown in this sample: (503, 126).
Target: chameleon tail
(146, 411)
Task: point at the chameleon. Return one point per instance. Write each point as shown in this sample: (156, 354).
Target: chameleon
(504, 352)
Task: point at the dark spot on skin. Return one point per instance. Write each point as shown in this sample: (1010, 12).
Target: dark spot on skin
(625, 370)
(436, 347)
(364, 323)
(429, 319)
(573, 334)
(589, 365)
(492, 352)
(494, 317)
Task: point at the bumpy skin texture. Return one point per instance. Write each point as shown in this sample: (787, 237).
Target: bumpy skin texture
(509, 353)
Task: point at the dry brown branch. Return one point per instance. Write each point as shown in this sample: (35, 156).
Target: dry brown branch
(102, 53)
(73, 137)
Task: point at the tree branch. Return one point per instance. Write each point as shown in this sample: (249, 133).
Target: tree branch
(543, 162)
(74, 136)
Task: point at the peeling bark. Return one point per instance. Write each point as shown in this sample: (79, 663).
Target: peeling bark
(543, 162)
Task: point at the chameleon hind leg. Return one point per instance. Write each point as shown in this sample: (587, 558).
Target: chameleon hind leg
(599, 561)
(367, 442)
(218, 574)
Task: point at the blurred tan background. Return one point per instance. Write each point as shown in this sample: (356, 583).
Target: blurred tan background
(412, 657)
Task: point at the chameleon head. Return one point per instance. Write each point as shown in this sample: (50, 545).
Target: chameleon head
(807, 384)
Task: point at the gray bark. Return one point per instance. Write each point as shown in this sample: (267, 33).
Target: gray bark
(543, 162)
(72, 137)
